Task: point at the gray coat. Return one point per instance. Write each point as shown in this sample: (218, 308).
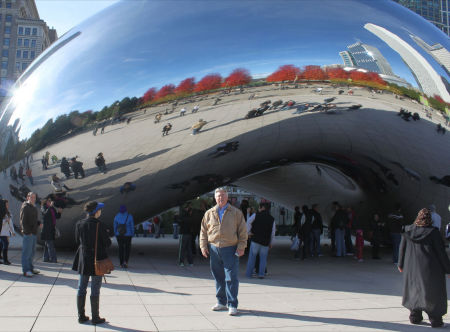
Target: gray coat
(85, 231)
(424, 262)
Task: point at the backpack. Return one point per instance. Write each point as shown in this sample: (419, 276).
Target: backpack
(122, 228)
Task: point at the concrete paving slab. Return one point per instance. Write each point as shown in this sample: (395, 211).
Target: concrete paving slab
(155, 294)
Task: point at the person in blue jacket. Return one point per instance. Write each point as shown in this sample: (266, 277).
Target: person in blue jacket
(124, 231)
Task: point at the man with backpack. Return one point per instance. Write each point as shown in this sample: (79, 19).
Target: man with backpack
(124, 231)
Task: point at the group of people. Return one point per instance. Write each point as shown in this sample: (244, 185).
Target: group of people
(224, 236)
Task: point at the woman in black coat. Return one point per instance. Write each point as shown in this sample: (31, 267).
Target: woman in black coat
(85, 236)
(49, 213)
(423, 260)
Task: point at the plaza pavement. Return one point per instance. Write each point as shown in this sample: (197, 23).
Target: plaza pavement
(154, 294)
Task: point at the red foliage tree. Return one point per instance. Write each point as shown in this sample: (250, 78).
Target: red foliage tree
(186, 86)
(238, 77)
(149, 95)
(284, 73)
(164, 91)
(359, 76)
(374, 77)
(337, 74)
(314, 73)
(209, 82)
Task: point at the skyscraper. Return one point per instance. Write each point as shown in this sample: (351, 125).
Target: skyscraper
(437, 51)
(23, 37)
(427, 78)
(435, 11)
(367, 57)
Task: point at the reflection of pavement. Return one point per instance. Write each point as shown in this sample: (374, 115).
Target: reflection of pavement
(138, 153)
(156, 295)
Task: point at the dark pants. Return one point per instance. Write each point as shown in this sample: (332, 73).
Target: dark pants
(185, 250)
(415, 317)
(348, 241)
(193, 244)
(375, 249)
(124, 248)
(306, 245)
(4, 243)
(96, 283)
(396, 238)
(332, 233)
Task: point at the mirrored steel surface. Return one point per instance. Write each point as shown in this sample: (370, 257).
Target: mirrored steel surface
(363, 155)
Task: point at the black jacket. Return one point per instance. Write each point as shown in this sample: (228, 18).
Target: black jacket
(48, 229)
(424, 262)
(262, 228)
(339, 220)
(186, 223)
(85, 231)
(317, 222)
(29, 219)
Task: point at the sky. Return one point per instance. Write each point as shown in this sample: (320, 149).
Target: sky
(65, 14)
(137, 45)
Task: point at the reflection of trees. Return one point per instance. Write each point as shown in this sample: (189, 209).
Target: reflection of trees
(238, 77)
(209, 82)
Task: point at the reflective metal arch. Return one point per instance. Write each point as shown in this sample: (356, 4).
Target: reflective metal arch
(376, 158)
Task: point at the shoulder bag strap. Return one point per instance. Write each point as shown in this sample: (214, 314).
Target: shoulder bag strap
(96, 238)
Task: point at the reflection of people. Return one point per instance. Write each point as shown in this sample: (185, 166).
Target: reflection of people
(127, 187)
(100, 162)
(166, 129)
(90, 232)
(424, 263)
(224, 236)
(183, 112)
(198, 126)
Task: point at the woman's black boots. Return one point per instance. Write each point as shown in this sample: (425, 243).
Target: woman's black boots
(82, 318)
(95, 302)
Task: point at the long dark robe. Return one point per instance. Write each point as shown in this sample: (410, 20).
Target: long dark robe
(424, 262)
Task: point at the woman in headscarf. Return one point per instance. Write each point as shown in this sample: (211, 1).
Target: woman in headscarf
(424, 262)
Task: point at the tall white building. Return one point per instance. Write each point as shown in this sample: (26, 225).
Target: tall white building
(427, 78)
(437, 51)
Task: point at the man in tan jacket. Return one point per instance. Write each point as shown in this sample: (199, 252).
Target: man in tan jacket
(224, 229)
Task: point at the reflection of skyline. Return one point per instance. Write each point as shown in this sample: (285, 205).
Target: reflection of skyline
(427, 78)
(369, 58)
(437, 51)
(121, 53)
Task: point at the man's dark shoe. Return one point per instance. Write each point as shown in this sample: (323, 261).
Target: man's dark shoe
(436, 322)
(415, 317)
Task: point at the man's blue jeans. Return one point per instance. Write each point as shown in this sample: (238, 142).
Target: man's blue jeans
(396, 238)
(263, 251)
(28, 250)
(315, 242)
(225, 268)
(96, 283)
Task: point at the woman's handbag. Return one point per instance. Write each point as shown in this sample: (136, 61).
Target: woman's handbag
(104, 266)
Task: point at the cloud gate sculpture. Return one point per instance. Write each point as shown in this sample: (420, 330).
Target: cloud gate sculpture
(300, 102)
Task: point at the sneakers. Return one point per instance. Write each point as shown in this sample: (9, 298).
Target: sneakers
(232, 311)
(28, 274)
(219, 307)
(181, 264)
(36, 271)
